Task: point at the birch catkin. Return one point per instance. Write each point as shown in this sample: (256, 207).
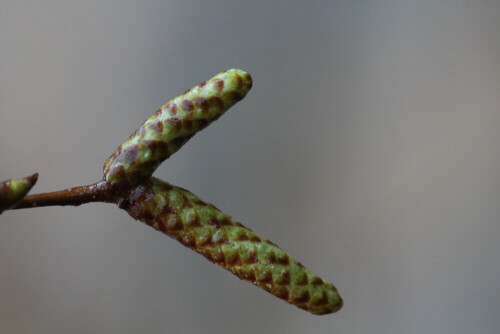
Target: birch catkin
(194, 223)
(172, 126)
(227, 243)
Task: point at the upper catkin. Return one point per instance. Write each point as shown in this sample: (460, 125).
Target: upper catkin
(172, 126)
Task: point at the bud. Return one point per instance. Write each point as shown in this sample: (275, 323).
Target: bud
(12, 191)
(227, 243)
(172, 126)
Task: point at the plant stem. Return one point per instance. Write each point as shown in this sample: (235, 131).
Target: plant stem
(97, 192)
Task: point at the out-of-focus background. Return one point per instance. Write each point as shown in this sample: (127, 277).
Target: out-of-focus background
(369, 148)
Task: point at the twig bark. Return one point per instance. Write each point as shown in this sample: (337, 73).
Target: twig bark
(97, 192)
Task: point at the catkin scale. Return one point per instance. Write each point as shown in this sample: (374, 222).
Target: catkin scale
(172, 126)
(227, 243)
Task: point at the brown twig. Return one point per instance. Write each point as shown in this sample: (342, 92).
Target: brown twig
(97, 192)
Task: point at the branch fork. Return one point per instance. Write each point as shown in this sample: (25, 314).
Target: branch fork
(128, 183)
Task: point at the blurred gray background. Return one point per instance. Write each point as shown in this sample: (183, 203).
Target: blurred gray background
(369, 148)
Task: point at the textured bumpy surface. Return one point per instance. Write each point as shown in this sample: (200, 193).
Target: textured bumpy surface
(202, 227)
(12, 191)
(172, 126)
(194, 223)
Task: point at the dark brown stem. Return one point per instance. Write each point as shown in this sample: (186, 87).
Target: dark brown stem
(97, 192)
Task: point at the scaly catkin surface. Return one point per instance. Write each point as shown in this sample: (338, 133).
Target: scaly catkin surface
(227, 243)
(172, 126)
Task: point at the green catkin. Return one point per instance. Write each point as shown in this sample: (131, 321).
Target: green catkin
(12, 191)
(172, 126)
(227, 243)
(194, 223)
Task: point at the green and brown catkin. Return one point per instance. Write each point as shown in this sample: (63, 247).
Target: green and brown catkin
(194, 223)
(172, 126)
(12, 191)
(227, 243)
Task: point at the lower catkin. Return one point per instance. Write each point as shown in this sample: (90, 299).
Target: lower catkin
(227, 243)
